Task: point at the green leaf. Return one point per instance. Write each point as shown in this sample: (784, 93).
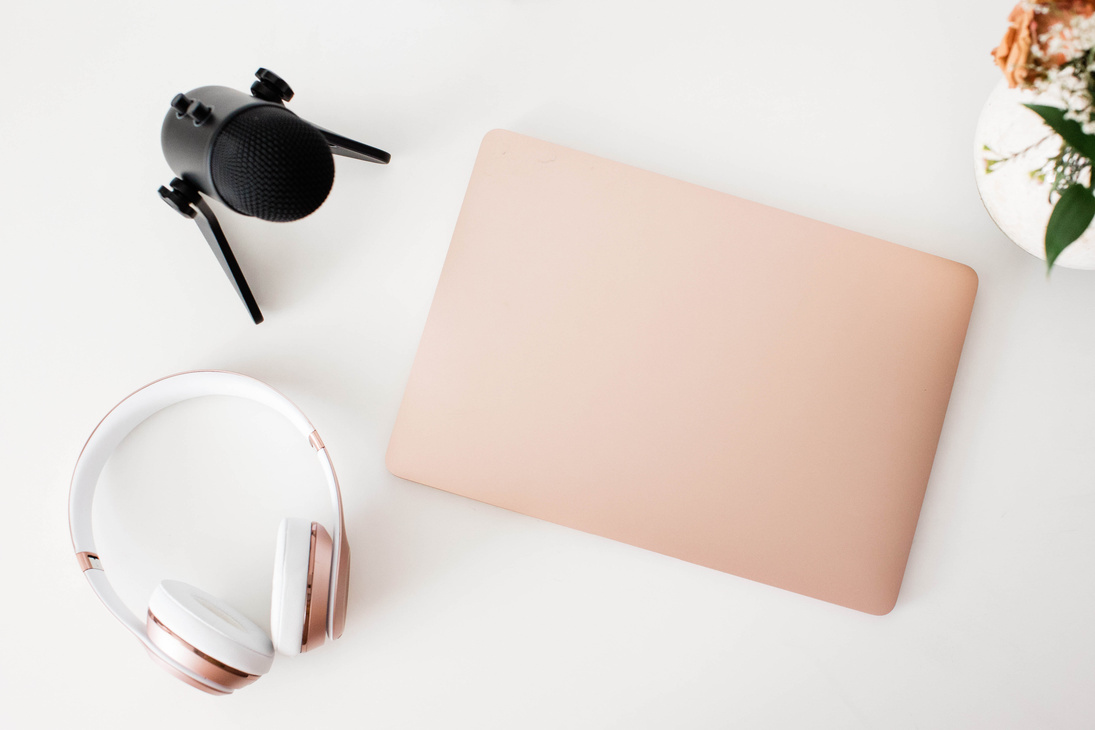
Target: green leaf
(1069, 219)
(1070, 130)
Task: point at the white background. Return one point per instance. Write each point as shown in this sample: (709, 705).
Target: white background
(462, 615)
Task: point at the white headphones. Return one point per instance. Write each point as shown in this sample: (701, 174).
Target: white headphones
(197, 637)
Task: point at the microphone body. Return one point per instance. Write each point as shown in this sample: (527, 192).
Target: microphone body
(255, 156)
(188, 147)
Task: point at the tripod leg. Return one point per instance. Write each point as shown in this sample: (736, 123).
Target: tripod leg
(214, 236)
(347, 147)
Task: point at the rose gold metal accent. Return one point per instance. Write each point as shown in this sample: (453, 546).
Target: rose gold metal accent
(308, 613)
(88, 561)
(174, 671)
(316, 441)
(319, 586)
(342, 586)
(197, 661)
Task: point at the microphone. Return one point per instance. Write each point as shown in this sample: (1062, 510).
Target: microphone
(253, 155)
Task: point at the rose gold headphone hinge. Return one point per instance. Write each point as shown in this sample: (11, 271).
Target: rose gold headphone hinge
(89, 561)
(316, 441)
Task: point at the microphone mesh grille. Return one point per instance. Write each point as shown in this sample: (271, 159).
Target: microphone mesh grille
(268, 163)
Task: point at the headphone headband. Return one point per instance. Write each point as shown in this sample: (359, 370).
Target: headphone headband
(141, 404)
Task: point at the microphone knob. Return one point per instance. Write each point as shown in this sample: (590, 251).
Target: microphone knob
(271, 87)
(198, 112)
(177, 201)
(181, 103)
(184, 106)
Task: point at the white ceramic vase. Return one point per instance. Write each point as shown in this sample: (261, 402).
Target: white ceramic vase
(1018, 204)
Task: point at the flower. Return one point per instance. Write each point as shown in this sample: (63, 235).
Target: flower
(1013, 53)
(1042, 35)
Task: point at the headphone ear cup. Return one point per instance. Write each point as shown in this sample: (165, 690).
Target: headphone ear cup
(302, 574)
(207, 636)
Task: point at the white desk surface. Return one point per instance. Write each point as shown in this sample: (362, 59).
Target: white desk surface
(462, 615)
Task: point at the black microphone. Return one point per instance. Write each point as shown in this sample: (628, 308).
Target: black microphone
(252, 154)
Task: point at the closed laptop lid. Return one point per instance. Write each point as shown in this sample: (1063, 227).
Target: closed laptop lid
(685, 371)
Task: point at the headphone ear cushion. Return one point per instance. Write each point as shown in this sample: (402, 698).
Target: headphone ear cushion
(207, 635)
(289, 597)
(301, 591)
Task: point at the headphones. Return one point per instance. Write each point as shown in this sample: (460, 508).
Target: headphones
(195, 636)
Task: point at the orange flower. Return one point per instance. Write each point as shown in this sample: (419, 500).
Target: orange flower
(1027, 23)
(1013, 53)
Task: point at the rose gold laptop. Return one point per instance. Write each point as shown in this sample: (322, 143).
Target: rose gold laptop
(685, 371)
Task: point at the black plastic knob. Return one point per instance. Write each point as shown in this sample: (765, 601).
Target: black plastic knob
(180, 196)
(181, 103)
(184, 106)
(185, 189)
(271, 87)
(177, 202)
(198, 112)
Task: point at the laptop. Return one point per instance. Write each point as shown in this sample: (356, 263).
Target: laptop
(685, 371)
